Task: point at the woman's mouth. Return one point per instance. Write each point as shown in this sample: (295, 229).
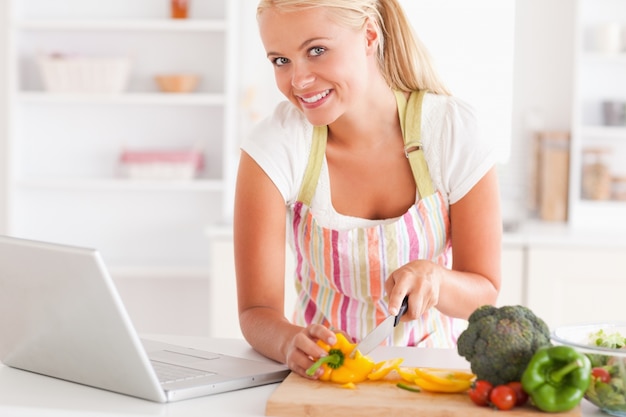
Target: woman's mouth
(317, 97)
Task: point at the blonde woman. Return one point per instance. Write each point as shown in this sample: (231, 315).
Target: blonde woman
(377, 175)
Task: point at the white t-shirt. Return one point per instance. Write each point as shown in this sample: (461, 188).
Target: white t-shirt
(456, 154)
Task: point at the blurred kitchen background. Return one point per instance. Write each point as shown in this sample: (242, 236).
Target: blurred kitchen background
(120, 122)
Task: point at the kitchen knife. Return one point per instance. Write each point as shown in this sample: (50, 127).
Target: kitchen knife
(376, 336)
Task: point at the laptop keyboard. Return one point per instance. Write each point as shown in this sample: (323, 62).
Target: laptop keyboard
(168, 373)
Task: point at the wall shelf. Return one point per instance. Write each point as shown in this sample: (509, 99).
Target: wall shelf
(196, 185)
(150, 98)
(62, 177)
(598, 76)
(164, 25)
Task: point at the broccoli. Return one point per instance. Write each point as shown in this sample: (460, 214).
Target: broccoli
(500, 341)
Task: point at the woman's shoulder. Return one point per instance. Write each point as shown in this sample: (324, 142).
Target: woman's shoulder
(448, 108)
(280, 144)
(286, 119)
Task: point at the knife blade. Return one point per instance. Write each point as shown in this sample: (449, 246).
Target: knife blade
(376, 336)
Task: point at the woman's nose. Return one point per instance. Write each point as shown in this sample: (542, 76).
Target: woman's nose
(301, 76)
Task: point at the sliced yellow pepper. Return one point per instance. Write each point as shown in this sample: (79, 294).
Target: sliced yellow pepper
(457, 385)
(338, 366)
(407, 374)
(382, 369)
(443, 381)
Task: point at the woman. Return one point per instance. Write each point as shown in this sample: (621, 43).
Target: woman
(375, 185)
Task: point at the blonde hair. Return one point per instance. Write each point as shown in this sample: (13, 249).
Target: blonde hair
(403, 59)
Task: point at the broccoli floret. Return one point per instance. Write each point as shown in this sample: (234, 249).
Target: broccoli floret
(500, 341)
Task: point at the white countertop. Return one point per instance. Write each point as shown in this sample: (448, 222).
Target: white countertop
(538, 233)
(23, 394)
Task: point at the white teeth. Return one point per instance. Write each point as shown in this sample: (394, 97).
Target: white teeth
(316, 97)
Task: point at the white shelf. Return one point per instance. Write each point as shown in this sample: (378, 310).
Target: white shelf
(173, 25)
(603, 58)
(165, 272)
(191, 99)
(598, 77)
(61, 183)
(605, 132)
(62, 148)
(200, 185)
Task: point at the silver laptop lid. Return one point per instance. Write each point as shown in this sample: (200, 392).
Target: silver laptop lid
(60, 318)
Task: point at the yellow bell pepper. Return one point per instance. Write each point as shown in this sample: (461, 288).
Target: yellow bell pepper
(435, 381)
(338, 366)
(382, 369)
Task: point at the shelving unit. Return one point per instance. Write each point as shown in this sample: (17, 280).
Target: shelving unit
(599, 76)
(63, 182)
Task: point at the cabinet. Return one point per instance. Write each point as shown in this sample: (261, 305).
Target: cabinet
(576, 284)
(512, 288)
(62, 178)
(598, 145)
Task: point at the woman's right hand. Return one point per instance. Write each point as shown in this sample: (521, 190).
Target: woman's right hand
(302, 350)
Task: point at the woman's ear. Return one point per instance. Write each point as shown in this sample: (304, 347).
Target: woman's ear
(371, 37)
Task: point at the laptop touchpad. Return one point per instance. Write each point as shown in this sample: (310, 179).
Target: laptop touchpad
(179, 358)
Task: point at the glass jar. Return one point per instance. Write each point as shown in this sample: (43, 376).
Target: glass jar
(596, 176)
(618, 188)
(179, 9)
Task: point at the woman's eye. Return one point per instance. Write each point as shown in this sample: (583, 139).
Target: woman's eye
(318, 50)
(280, 61)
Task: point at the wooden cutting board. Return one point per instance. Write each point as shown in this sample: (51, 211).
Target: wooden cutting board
(300, 397)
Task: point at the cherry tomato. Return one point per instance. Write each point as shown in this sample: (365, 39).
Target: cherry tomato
(479, 392)
(521, 397)
(503, 397)
(601, 374)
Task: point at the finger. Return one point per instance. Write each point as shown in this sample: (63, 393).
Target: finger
(301, 364)
(323, 333)
(396, 295)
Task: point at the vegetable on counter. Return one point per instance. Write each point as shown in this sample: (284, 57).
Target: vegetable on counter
(447, 382)
(608, 374)
(556, 378)
(338, 366)
(499, 342)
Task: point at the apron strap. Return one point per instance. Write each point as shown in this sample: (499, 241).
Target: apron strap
(314, 165)
(410, 114)
(413, 148)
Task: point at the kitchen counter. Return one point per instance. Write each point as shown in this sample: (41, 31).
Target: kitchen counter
(23, 394)
(537, 233)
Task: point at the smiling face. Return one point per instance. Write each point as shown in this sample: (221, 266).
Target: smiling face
(322, 67)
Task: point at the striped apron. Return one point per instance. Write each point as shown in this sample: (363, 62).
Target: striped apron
(340, 274)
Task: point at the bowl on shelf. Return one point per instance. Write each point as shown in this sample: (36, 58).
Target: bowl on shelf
(605, 345)
(177, 83)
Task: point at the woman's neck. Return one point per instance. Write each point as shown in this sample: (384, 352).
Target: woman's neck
(368, 125)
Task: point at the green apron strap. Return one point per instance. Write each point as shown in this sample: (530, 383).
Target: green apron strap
(314, 165)
(413, 143)
(410, 114)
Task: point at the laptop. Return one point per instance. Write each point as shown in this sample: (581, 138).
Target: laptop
(61, 316)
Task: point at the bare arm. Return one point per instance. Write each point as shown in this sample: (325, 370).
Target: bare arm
(474, 280)
(259, 233)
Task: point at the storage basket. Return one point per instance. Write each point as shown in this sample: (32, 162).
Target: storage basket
(69, 74)
(161, 164)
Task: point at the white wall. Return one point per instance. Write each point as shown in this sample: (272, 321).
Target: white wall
(542, 88)
(4, 110)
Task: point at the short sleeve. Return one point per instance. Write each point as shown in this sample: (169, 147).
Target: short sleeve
(459, 153)
(280, 145)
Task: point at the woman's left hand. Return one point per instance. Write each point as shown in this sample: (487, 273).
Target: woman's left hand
(421, 281)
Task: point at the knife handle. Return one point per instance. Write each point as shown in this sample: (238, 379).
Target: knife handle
(403, 309)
